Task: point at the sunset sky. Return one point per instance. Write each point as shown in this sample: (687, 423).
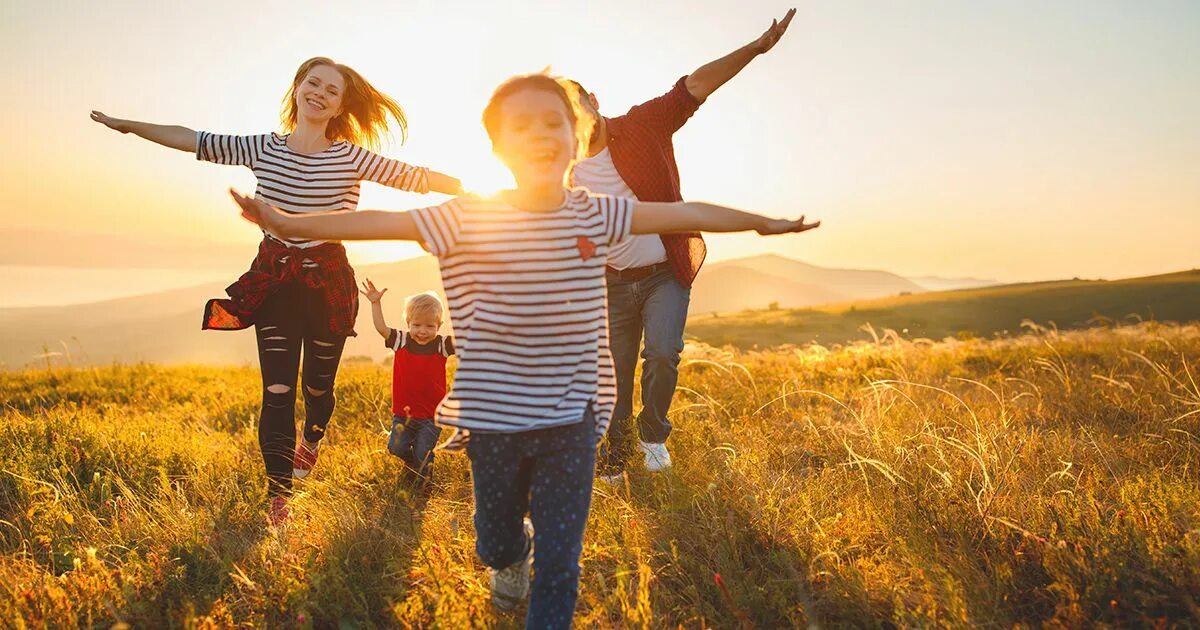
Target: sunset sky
(1006, 140)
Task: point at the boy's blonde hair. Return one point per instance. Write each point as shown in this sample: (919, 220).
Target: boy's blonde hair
(427, 303)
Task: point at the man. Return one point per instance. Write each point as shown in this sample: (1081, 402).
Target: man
(650, 277)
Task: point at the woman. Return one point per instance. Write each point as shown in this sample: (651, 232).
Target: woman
(301, 293)
(524, 276)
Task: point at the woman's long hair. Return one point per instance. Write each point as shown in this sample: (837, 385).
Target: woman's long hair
(365, 110)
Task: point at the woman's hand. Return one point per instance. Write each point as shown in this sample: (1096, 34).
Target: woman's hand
(785, 226)
(371, 293)
(116, 124)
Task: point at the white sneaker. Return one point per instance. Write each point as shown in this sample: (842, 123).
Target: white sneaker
(657, 456)
(510, 585)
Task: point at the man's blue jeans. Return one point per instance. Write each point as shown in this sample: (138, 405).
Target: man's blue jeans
(654, 307)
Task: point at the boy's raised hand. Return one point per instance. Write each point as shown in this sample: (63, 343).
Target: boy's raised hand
(370, 292)
(786, 226)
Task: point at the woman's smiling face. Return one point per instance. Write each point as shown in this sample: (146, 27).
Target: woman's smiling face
(536, 137)
(319, 94)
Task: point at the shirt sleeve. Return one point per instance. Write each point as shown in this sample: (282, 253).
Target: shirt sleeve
(668, 112)
(617, 213)
(448, 346)
(439, 227)
(394, 173)
(224, 149)
(394, 339)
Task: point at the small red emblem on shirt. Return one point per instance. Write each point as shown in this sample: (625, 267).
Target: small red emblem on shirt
(587, 249)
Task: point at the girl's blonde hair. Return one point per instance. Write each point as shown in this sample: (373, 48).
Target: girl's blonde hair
(567, 91)
(365, 110)
(427, 303)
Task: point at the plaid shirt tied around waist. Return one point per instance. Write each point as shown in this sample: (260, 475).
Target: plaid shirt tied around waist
(323, 267)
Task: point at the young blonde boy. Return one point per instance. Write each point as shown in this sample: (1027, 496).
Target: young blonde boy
(418, 376)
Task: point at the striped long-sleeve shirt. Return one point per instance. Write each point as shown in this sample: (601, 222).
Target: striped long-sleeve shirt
(308, 182)
(529, 309)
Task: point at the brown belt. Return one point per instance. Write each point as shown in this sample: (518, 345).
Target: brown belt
(633, 274)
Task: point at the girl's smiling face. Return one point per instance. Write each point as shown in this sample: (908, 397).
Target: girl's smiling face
(536, 137)
(319, 94)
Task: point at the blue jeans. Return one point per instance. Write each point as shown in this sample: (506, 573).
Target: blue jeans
(655, 307)
(413, 442)
(547, 473)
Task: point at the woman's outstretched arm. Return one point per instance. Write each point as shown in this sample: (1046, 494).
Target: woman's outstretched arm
(362, 225)
(172, 136)
(696, 216)
(445, 184)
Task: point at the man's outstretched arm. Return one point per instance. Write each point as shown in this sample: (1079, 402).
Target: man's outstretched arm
(712, 75)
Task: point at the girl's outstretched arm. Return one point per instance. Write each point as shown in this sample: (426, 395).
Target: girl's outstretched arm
(695, 216)
(363, 225)
(172, 136)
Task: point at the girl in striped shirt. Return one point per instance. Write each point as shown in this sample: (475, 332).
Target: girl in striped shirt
(300, 293)
(524, 276)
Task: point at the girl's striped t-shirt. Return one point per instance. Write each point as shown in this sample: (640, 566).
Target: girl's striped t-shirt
(308, 182)
(528, 306)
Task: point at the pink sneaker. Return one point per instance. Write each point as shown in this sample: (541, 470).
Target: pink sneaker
(279, 511)
(304, 459)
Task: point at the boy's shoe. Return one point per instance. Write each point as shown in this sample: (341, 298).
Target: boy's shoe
(657, 456)
(510, 585)
(304, 459)
(278, 513)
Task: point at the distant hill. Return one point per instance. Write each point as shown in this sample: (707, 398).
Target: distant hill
(980, 312)
(757, 281)
(937, 283)
(165, 327)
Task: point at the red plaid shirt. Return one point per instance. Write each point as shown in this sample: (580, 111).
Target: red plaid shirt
(641, 149)
(277, 264)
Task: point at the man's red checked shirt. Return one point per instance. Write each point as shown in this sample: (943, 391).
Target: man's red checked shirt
(640, 145)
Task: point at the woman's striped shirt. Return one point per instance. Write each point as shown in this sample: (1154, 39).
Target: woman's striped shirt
(529, 308)
(308, 182)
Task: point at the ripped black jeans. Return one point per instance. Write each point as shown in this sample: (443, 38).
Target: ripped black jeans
(292, 318)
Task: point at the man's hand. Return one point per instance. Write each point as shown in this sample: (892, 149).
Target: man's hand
(773, 34)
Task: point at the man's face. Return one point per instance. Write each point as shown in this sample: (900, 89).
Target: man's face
(591, 108)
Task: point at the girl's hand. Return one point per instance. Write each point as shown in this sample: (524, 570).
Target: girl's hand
(371, 293)
(260, 213)
(785, 226)
(116, 124)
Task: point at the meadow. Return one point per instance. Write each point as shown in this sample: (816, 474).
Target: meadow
(1045, 479)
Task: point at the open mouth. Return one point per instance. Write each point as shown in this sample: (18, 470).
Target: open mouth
(315, 104)
(543, 157)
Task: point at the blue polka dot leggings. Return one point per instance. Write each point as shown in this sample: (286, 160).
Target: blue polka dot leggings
(548, 474)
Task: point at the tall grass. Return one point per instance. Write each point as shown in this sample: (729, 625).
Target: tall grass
(1045, 479)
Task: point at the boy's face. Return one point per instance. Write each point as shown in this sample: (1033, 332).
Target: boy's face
(536, 139)
(423, 327)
